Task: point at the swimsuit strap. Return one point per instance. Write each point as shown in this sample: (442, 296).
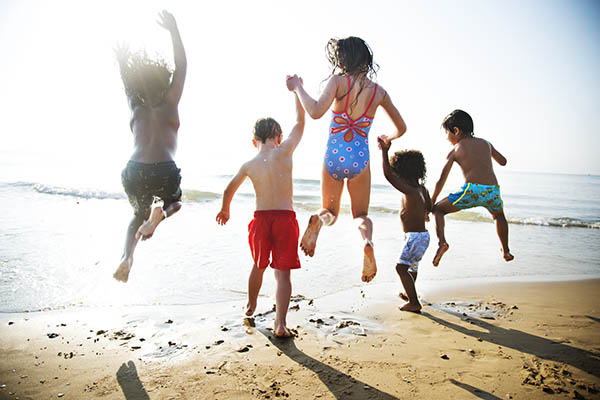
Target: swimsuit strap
(371, 102)
(347, 95)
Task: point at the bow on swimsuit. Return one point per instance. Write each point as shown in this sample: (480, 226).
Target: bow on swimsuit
(348, 145)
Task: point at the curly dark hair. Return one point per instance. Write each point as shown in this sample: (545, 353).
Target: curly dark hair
(459, 119)
(352, 56)
(146, 80)
(410, 165)
(266, 128)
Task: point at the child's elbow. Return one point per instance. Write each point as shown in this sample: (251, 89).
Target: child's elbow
(315, 114)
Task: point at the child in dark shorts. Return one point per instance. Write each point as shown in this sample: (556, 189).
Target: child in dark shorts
(145, 182)
(273, 233)
(407, 172)
(153, 92)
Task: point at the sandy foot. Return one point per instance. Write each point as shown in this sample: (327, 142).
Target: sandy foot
(416, 308)
(507, 256)
(443, 247)
(309, 239)
(147, 229)
(250, 309)
(122, 273)
(369, 265)
(281, 332)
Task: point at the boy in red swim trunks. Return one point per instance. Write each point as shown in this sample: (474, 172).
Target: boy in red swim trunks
(273, 233)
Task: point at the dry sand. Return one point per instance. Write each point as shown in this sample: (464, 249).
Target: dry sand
(497, 341)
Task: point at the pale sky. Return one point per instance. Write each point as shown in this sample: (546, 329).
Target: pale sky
(527, 72)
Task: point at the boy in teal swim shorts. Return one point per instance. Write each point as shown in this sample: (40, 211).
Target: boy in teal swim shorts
(474, 155)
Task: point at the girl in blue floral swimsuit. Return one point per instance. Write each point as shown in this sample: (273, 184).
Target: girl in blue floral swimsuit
(355, 98)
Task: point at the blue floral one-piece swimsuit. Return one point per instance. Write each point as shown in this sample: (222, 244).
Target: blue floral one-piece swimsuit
(348, 145)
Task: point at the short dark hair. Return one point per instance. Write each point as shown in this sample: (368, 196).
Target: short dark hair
(409, 164)
(266, 128)
(459, 119)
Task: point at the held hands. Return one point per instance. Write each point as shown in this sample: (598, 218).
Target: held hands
(167, 21)
(384, 143)
(293, 81)
(222, 217)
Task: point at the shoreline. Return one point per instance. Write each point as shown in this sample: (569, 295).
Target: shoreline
(496, 340)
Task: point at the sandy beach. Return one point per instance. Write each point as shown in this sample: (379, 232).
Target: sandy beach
(492, 341)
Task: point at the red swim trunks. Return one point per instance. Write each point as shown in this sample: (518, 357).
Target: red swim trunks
(274, 232)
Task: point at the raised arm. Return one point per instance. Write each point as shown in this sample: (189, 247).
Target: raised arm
(395, 116)
(388, 171)
(167, 21)
(232, 187)
(500, 159)
(290, 143)
(445, 171)
(314, 108)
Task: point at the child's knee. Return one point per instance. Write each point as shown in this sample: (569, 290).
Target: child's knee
(283, 275)
(402, 268)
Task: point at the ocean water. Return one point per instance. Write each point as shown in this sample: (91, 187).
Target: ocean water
(61, 241)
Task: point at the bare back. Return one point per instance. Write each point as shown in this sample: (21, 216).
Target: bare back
(416, 204)
(271, 175)
(154, 132)
(357, 107)
(474, 155)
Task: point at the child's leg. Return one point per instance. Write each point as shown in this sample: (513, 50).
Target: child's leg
(156, 217)
(502, 230)
(254, 283)
(413, 274)
(409, 285)
(131, 239)
(331, 193)
(442, 208)
(359, 189)
(282, 302)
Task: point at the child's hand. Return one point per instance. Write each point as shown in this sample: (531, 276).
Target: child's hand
(384, 143)
(222, 217)
(292, 82)
(167, 20)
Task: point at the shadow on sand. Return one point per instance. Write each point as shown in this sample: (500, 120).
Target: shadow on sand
(130, 383)
(593, 318)
(481, 394)
(342, 386)
(526, 343)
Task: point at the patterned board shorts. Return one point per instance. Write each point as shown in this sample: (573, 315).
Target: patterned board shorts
(414, 247)
(476, 195)
(143, 182)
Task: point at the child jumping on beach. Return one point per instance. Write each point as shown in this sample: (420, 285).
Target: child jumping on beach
(474, 155)
(407, 173)
(355, 99)
(273, 233)
(151, 171)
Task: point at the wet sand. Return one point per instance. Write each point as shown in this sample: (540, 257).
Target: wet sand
(493, 341)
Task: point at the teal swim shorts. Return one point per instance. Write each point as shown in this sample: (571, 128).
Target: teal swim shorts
(476, 195)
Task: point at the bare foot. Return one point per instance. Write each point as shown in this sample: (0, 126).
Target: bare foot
(280, 331)
(309, 239)
(250, 308)
(416, 308)
(369, 264)
(507, 256)
(443, 247)
(147, 229)
(122, 273)
(403, 296)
